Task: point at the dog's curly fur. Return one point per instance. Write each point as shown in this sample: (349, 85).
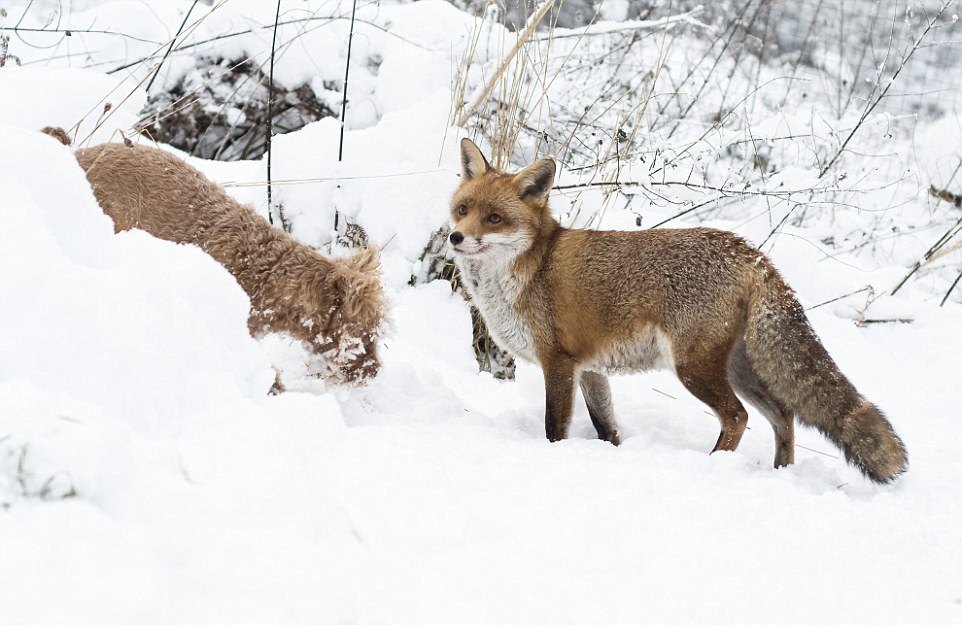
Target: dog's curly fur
(335, 305)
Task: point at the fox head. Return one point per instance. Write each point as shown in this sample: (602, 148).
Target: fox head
(496, 215)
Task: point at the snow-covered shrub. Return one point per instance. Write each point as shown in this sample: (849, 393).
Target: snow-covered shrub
(219, 110)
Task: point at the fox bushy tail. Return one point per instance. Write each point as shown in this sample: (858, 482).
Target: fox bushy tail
(789, 357)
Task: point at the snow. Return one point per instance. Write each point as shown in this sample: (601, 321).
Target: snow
(80, 110)
(146, 475)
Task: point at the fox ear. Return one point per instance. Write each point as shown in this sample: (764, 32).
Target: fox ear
(473, 163)
(534, 182)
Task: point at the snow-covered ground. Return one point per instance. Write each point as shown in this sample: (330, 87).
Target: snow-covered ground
(146, 476)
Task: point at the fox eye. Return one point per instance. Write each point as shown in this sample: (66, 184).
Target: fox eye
(462, 210)
(494, 218)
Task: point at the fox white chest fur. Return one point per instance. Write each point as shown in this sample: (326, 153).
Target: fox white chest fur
(494, 290)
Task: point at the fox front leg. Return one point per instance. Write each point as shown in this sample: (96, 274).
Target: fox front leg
(559, 384)
(594, 386)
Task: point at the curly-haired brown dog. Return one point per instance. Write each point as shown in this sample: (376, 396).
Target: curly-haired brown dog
(335, 305)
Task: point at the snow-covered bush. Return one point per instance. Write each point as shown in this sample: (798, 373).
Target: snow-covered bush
(220, 110)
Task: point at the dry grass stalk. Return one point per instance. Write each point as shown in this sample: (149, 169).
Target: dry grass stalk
(505, 63)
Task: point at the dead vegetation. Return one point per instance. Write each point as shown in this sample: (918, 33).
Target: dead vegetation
(220, 110)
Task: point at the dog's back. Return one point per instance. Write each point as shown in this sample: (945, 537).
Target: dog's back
(334, 305)
(148, 188)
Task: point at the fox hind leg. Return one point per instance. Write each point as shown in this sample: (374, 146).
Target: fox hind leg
(706, 378)
(597, 393)
(753, 389)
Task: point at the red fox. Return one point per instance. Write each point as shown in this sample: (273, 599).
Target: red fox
(699, 301)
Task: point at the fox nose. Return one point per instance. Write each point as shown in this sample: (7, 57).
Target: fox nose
(456, 237)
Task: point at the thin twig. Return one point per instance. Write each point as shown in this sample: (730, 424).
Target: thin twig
(171, 46)
(784, 194)
(951, 288)
(938, 245)
(904, 320)
(609, 28)
(298, 181)
(347, 75)
(247, 31)
(270, 115)
(686, 211)
(868, 288)
(816, 451)
(71, 31)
